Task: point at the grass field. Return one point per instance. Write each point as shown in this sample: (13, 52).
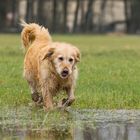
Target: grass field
(109, 72)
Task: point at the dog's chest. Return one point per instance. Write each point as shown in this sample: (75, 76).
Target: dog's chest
(56, 84)
(61, 85)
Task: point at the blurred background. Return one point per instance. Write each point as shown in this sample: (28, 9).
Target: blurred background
(72, 16)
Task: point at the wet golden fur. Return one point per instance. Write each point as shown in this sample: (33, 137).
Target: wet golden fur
(43, 66)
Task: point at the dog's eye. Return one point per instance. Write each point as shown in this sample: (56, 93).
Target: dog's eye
(61, 58)
(70, 60)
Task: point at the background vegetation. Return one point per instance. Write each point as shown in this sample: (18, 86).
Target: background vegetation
(90, 16)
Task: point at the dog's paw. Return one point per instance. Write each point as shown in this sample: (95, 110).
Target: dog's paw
(66, 102)
(40, 100)
(37, 98)
(60, 104)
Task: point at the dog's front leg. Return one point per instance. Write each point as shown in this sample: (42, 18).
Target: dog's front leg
(47, 99)
(71, 97)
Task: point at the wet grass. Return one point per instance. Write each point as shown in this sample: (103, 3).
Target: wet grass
(33, 124)
(109, 71)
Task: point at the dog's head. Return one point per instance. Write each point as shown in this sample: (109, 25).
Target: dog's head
(64, 58)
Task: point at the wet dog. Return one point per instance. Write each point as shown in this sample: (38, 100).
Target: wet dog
(49, 67)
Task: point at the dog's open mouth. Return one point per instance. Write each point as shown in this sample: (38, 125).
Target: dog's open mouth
(64, 74)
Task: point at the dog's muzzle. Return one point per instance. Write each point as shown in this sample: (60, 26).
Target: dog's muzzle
(65, 73)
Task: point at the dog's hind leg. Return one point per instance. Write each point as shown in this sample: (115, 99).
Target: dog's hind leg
(36, 97)
(34, 92)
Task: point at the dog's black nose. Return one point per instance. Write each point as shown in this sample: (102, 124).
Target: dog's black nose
(65, 72)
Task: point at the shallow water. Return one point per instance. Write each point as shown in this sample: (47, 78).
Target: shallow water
(25, 123)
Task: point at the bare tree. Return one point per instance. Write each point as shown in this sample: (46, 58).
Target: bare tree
(40, 16)
(76, 16)
(82, 20)
(127, 14)
(88, 25)
(3, 12)
(15, 13)
(135, 17)
(102, 15)
(29, 11)
(54, 15)
(65, 15)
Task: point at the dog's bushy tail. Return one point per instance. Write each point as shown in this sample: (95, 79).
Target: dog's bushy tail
(32, 32)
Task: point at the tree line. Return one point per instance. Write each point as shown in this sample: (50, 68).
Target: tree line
(58, 20)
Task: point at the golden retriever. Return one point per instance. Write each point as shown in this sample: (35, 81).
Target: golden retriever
(49, 67)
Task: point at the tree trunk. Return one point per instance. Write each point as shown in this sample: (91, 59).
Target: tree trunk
(76, 16)
(88, 26)
(54, 15)
(40, 15)
(126, 15)
(29, 11)
(65, 16)
(101, 18)
(135, 17)
(15, 13)
(3, 11)
(82, 20)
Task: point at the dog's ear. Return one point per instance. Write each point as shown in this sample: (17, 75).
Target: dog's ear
(77, 54)
(49, 53)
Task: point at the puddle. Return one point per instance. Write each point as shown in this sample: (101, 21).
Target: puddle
(24, 123)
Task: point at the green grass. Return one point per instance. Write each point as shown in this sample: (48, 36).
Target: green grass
(109, 72)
